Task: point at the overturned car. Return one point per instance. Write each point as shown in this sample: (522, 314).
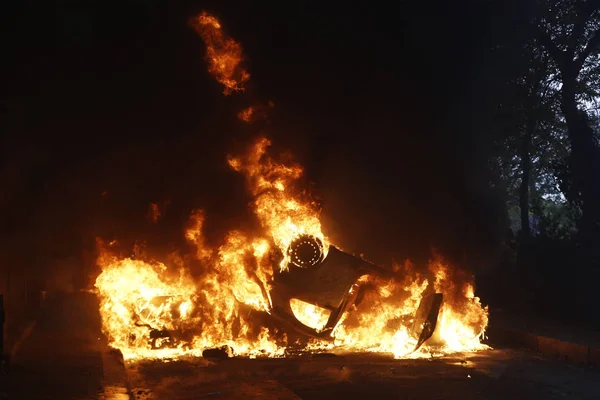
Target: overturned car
(331, 282)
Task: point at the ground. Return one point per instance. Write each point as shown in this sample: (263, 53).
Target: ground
(493, 374)
(66, 357)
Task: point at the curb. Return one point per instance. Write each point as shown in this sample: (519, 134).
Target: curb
(574, 353)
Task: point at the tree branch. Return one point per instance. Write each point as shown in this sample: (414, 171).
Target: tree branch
(554, 51)
(584, 12)
(592, 46)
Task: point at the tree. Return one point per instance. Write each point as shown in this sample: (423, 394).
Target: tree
(569, 31)
(537, 85)
(529, 136)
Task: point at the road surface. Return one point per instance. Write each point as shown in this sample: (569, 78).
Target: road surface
(493, 374)
(66, 357)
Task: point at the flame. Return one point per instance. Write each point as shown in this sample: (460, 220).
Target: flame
(282, 214)
(242, 269)
(136, 295)
(154, 212)
(220, 296)
(139, 297)
(194, 235)
(247, 114)
(229, 301)
(463, 319)
(255, 112)
(223, 54)
(389, 309)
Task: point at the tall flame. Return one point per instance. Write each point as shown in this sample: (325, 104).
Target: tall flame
(151, 310)
(223, 54)
(283, 215)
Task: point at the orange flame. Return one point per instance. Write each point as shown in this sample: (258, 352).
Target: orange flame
(247, 114)
(229, 301)
(194, 235)
(463, 319)
(255, 113)
(223, 54)
(135, 294)
(139, 297)
(390, 307)
(154, 212)
(283, 215)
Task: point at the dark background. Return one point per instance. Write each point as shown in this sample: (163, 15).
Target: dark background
(108, 106)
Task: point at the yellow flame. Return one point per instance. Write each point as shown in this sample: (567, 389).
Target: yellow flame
(228, 304)
(136, 295)
(194, 235)
(230, 300)
(283, 215)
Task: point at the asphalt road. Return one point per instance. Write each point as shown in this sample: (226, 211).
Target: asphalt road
(66, 357)
(493, 374)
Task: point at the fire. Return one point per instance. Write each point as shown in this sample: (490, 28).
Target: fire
(255, 113)
(136, 295)
(194, 236)
(223, 54)
(242, 267)
(142, 299)
(463, 320)
(154, 212)
(283, 215)
(390, 308)
(247, 114)
(225, 304)
(221, 296)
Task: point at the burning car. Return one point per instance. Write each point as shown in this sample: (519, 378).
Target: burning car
(285, 278)
(282, 276)
(332, 283)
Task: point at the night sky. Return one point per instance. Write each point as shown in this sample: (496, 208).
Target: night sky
(108, 106)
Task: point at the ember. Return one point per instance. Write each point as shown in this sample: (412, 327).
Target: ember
(287, 273)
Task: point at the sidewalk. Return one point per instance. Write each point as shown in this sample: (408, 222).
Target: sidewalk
(573, 344)
(64, 356)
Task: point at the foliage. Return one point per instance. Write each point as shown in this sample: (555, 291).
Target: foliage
(533, 96)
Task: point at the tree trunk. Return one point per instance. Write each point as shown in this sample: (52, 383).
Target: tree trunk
(585, 164)
(585, 155)
(525, 179)
(535, 204)
(585, 159)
